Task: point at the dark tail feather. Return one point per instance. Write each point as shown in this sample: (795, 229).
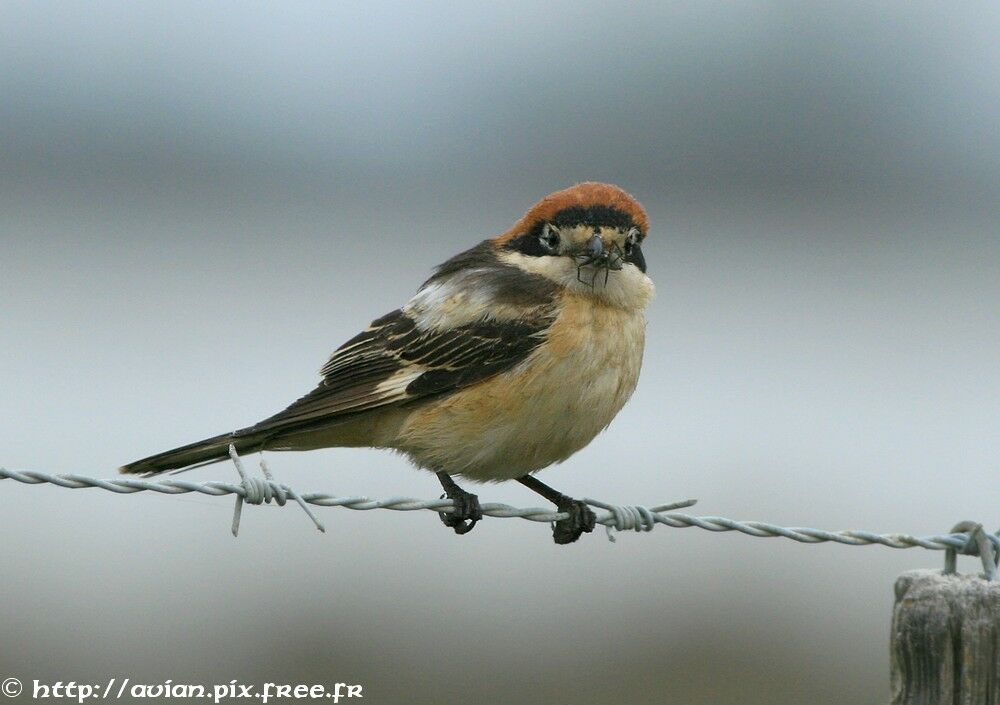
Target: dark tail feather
(210, 450)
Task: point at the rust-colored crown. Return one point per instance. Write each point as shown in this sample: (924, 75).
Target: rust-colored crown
(590, 196)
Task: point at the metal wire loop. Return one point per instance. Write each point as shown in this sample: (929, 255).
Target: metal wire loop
(979, 543)
(625, 517)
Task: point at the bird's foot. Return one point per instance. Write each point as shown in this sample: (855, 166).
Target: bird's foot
(466, 512)
(581, 520)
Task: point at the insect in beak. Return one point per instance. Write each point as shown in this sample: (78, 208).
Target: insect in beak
(594, 254)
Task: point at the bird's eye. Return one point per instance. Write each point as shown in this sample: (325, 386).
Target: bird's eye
(631, 240)
(550, 237)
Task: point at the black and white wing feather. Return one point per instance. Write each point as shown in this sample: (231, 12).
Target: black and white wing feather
(397, 360)
(394, 362)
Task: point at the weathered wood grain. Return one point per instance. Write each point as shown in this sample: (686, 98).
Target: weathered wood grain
(945, 640)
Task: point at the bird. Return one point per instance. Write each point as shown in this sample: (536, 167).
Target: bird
(514, 355)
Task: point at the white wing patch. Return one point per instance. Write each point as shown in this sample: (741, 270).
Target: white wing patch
(452, 302)
(470, 296)
(393, 388)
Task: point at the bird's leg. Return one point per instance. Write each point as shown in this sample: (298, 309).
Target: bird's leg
(466, 512)
(581, 518)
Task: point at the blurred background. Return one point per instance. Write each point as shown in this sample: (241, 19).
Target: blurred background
(198, 202)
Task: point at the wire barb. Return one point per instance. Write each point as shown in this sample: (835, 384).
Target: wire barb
(620, 518)
(635, 517)
(262, 491)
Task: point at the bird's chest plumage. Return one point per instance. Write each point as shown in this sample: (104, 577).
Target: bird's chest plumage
(544, 410)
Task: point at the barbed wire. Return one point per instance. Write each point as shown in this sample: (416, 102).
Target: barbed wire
(966, 538)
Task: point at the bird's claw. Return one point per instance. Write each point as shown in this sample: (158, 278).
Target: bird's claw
(466, 513)
(581, 520)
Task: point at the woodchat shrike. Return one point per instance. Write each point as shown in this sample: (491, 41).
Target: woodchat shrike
(513, 356)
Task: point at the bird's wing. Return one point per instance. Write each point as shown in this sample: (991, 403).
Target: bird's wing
(394, 362)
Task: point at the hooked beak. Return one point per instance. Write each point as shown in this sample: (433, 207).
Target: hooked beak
(595, 247)
(597, 255)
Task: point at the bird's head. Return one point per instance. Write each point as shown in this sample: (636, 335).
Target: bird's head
(588, 239)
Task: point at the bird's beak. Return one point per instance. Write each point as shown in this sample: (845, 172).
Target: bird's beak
(598, 255)
(595, 247)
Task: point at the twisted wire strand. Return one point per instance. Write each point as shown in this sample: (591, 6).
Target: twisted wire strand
(621, 518)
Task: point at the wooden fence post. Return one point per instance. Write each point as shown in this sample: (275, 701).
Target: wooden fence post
(945, 639)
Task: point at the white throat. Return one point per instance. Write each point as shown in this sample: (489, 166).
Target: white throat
(628, 288)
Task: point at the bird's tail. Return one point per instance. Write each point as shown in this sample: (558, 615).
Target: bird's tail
(203, 452)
